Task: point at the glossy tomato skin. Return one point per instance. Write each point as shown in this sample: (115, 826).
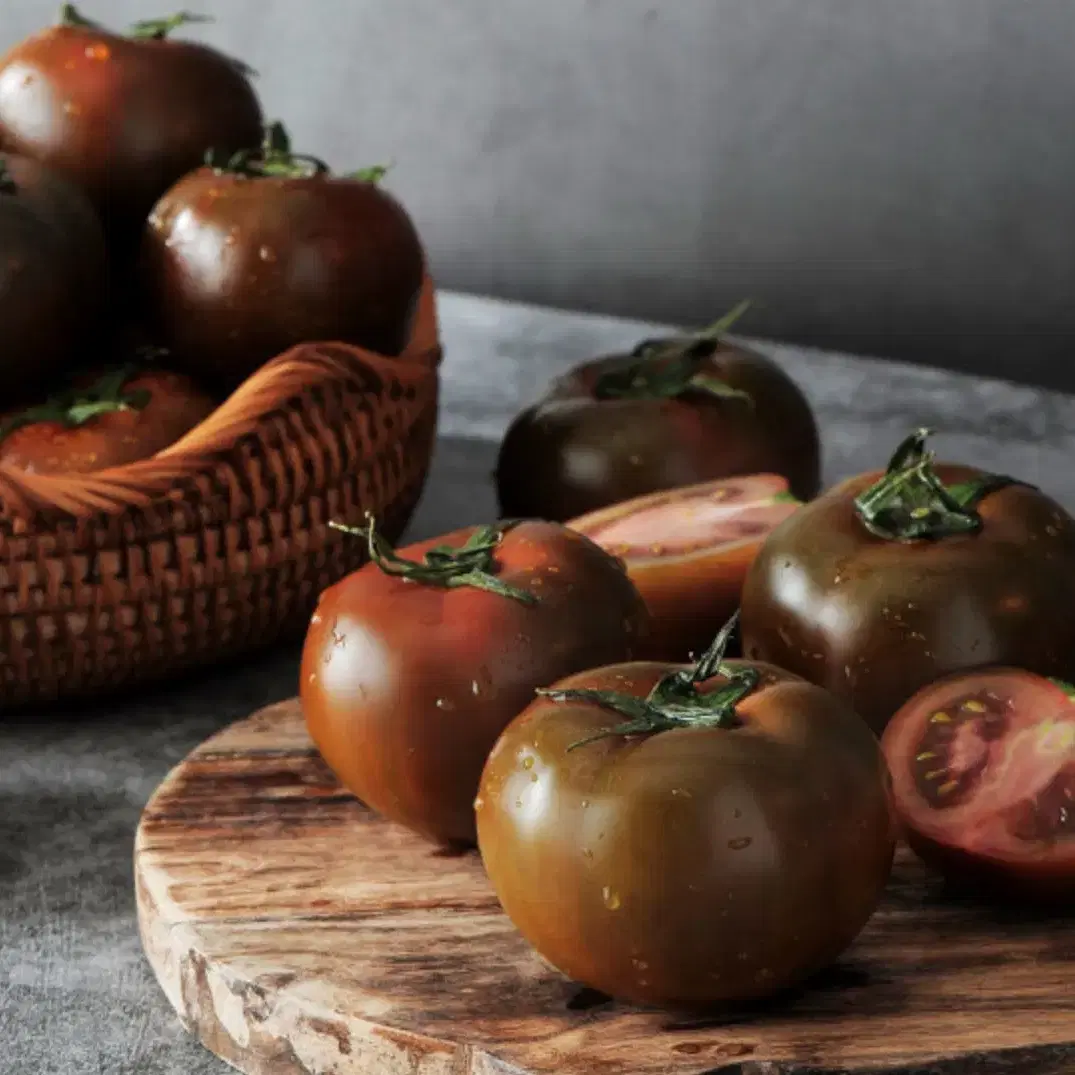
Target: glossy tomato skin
(572, 453)
(874, 620)
(688, 551)
(983, 771)
(175, 406)
(239, 268)
(123, 118)
(406, 686)
(692, 867)
(52, 272)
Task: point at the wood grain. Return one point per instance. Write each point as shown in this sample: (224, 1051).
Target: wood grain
(295, 932)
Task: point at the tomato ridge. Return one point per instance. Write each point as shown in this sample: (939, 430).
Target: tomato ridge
(451, 568)
(665, 369)
(910, 502)
(674, 701)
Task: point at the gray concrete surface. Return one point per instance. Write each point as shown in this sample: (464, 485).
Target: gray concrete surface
(887, 178)
(76, 996)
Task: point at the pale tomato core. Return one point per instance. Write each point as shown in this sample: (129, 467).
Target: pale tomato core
(685, 523)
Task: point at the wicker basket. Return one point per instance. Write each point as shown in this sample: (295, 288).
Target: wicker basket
(219, 544)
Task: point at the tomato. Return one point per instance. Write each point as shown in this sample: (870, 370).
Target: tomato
(688, 550)
(891, 581)
(123, 116)
(122, 416)
(245, 260)
(52, 274)
(983, 773)
(687, 836)
(673, 412)
(414, 664)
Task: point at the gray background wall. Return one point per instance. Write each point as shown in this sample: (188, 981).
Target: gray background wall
(888, 176)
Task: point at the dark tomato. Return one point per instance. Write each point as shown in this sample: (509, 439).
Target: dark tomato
(736, 841)
(123, 116)
(243, 263)
(688, 550)
(891, 581)
(674, 412)
(983, 773)
(52, 273)
(407, 681)
(121, 417)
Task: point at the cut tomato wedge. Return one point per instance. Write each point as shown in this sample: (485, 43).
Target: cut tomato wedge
(688, 551)
(983, 779)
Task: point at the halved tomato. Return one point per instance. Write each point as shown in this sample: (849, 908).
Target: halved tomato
(688, 551)
(983, 771)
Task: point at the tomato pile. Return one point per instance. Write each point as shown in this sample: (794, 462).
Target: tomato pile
(664, 821)
(162, 242)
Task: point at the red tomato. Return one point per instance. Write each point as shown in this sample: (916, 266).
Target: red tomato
(123, 115)
(983, 771)
(685, 837)
(267, 250)
(688, 551)
(123, 416)
(413, 665)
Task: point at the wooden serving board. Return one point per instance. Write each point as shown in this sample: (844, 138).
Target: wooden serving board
(295, 932)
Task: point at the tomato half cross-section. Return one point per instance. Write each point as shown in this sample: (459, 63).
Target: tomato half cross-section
(983, 772)
(414, 664)
(684, 836)
(672, 412)
(688, 551)
(892, 580)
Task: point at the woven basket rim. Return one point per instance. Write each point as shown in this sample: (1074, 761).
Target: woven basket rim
(303, 367)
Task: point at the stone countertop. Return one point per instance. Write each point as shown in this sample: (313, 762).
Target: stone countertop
(76, 996)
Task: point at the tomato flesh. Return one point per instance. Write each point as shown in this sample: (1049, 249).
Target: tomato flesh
(688, 551)
(983, 772)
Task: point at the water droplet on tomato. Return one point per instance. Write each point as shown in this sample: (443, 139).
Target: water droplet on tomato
(611, 898)
(475, 688)
(267, 254)
(740, 843)
(312, 677)
(479, 802)
(98, 52)
(445, 704)
(72, 108)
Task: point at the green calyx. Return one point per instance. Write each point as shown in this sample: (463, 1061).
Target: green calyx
(275, 158)
(143, 30)
(1066, 687)
(76, 407)
(471, 564)
(666, 369)
(675, 701)
(911, 503)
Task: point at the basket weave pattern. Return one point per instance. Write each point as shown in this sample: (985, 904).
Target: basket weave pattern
(219, 544)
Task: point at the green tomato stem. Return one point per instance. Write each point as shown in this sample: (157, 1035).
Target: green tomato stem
(667, 369)
(78, 406)
(675, 700)
(911, 503)
(469, 565)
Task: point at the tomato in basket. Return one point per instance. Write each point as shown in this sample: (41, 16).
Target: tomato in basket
(122, 416)
(673, 412)
(123, 115)
(268, 249)
(52, 273)
(686, 836)
(414, 664)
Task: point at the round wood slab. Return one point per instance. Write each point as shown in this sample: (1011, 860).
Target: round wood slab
(295, 932)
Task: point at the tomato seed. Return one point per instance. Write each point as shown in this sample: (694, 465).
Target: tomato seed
(974, 706)
(940, 717)
(948, 787)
